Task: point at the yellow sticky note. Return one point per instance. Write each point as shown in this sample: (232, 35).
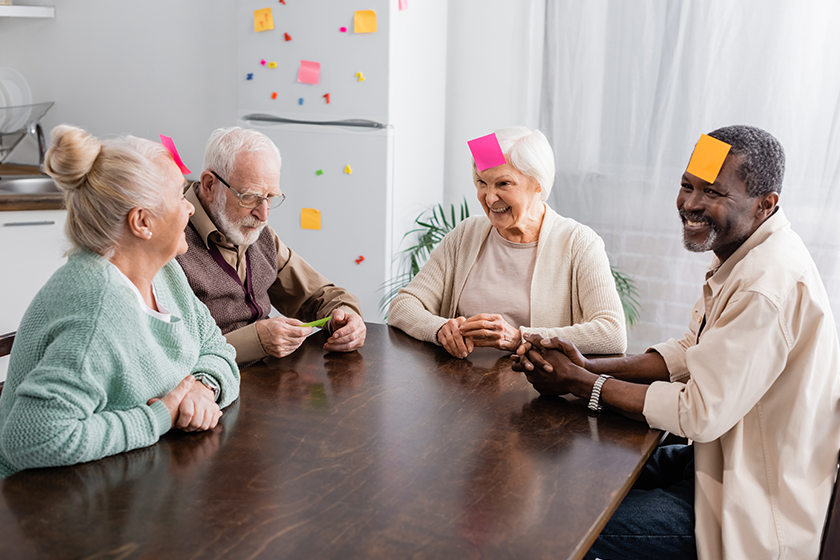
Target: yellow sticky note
(263, 20)
(310, 218)
(364, 21)
(348, 170)
(708, 157)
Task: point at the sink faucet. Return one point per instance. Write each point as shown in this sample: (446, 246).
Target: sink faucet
(35, 128)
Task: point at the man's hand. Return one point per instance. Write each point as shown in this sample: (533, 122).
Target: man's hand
(551, 371)
(348, 332)
(490, 329)
(280, 336)
(191, 406)
(536, 342)
(450, 337)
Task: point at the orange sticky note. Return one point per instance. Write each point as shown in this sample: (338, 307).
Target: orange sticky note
(708, 157)
(364, 21)
(310, 218)
(263, 20)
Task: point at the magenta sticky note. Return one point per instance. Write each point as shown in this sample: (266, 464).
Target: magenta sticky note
(486, 152)
(403, 4)
(309, 72)
(170, 145)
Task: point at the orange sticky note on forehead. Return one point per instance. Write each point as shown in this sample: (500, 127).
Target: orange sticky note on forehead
(708, 157)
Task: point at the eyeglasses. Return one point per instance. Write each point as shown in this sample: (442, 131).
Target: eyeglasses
(248, 200)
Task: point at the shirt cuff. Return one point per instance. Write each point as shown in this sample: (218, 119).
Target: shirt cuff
(674, 356)
(246, 342)
(662, 406)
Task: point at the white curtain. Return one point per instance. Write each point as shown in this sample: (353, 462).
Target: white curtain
(629, 86)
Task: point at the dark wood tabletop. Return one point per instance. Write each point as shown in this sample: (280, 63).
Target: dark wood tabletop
(396, 451)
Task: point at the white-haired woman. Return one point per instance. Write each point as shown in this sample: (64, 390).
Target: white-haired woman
(522, 269)
(115, 350)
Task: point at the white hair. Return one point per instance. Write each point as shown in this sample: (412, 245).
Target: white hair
(529, 151)
(225, 144)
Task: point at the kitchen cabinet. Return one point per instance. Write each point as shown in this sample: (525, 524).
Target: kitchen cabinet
(27, 11)
(32, 247)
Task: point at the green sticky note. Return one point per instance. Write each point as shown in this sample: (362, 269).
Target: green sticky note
(318, 323)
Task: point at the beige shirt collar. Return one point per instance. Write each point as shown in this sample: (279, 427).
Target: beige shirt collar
(719, 272)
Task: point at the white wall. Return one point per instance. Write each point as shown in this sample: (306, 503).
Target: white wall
(494, 64)
(143, 68)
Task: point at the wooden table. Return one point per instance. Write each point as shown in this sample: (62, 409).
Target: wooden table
(397, 451)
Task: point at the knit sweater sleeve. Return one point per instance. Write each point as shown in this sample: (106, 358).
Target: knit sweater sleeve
(216, 357)
(599, 328)
(420, 309)
(59, 417)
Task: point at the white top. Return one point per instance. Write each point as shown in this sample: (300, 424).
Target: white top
(500, 281)
(163, 314)
(759, 394)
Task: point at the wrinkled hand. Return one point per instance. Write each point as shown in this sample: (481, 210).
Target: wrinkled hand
(450, 337)
(198, 410)
(536, 342)
(490, 329)
(191, 406)
(349, 332)
(280, 336)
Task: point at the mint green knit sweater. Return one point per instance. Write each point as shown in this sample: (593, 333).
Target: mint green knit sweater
(86, 359)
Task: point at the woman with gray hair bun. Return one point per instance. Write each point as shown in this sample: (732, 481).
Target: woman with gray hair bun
(521, 269)
(115, 349)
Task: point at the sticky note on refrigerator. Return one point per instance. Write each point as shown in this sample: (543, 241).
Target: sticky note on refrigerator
(486, 152)
(364, 21)
(403, 4)
(170, 145)
(263, 20)
(309, 72)
(708, 157)
(310, 218)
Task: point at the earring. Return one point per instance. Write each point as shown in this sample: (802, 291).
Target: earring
(149, 234)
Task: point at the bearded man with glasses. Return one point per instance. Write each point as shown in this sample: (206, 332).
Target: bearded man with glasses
(238, 266)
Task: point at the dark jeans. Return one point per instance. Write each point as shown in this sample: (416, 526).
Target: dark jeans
(656, 518)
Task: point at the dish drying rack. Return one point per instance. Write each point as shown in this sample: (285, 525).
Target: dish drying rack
(18, 121)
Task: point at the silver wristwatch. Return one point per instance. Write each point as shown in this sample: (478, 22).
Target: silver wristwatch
(595, 398)
(201, 377)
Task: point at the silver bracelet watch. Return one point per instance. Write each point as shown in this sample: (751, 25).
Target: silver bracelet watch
(202, 378)
(595, 398)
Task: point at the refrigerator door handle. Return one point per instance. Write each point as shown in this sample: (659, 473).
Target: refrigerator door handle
(359, 123)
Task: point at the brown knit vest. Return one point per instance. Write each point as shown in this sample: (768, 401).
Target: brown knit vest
(217, 284)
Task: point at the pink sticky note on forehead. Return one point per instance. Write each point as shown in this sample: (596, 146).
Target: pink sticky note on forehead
(486, 152)
(170, 145)
(309, 72)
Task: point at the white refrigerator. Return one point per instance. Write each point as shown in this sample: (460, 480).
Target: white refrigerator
(353, 157)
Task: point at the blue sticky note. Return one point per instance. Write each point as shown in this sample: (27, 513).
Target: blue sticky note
(300, 101)
(250, 76)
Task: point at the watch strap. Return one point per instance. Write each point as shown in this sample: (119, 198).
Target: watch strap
(595, 398)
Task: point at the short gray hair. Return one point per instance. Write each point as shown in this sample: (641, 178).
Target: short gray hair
(102, 181)
(529, 151)
(225, 144)
(763, 164)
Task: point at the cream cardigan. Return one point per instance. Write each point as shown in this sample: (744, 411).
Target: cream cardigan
(573, 293)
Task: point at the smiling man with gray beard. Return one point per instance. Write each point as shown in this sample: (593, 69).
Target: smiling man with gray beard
(238, 266)
(755, 382)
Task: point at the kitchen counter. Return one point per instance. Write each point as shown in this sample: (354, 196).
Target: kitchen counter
(15, 202)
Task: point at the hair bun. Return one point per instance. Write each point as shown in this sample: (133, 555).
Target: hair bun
(71, 156)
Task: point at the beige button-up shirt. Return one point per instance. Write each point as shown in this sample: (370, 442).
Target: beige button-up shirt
(757, 388)
(299, 291)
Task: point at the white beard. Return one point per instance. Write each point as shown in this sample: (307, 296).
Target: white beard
(231, 228)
